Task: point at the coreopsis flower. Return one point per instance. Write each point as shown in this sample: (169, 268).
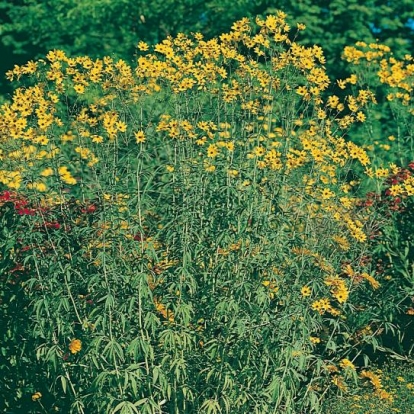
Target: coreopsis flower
(306, 291)
(139, 137)
(346, 363)
(142, 46)
(80, 89)
(212, 151)
(326, 194)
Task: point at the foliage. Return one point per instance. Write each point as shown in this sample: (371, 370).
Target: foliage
(393, 254)
(190, 234)
(387, 133)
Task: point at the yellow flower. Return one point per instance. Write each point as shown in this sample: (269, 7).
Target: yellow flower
(326, 194)
(142, 46)
(339, 382)
(97, 138)
(40, 186)
(75, 346)
(121, 126)
(258, 151)
(47, 172)
(212, 151)
(209, 167)
(361, 117)
(80, 89)
(341, 294)
(342, 242)
(321, 306)
(36, 396)
(301, 90)
(384, 395)
(272, 288)
(346, 363)
(395, 190)
(139, 137)
(373, 378)
(306, 291)
(374, 283)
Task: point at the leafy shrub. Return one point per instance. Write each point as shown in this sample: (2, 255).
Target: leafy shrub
(188, 233)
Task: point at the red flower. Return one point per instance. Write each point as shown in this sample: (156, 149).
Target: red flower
(139, 237)
(5, 196)
(89, 209)
(26, 211)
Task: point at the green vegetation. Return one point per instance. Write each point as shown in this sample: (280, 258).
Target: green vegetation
(203, 231)
(394, 393)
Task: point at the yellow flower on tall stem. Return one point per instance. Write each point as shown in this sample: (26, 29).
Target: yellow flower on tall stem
(75, 346)
(306, 291)
(139, 137)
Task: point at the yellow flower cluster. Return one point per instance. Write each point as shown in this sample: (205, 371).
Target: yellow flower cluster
(324, 305)
(397, 74)
(370, 52)
(338, 289)
(215, 74)
(75, 346)
(375, 380)
(405, 188)
(273, 288)
(86, 154)
(66, 176)
(185, 64)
